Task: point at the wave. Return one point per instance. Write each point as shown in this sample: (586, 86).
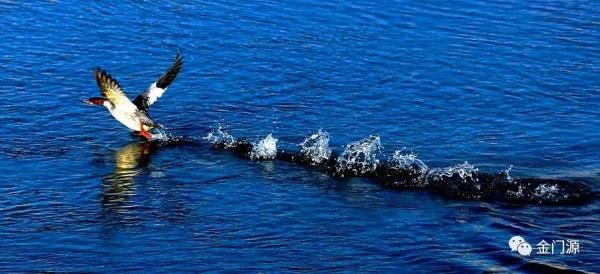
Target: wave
(403, 170)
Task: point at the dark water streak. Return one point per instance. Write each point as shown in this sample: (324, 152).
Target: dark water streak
(478, 186)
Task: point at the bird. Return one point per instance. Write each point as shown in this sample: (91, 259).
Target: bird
(133, 115)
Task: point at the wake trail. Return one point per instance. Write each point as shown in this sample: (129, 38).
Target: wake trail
(403, 170)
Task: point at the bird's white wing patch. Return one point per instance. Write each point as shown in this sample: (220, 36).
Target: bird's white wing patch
(158, 88)
(153, 93)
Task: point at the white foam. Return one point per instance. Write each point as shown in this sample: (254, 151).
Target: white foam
(265, 149)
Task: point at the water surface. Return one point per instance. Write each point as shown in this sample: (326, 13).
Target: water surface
(492, 83)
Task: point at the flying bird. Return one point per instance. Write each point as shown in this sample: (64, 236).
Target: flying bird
(133, 115)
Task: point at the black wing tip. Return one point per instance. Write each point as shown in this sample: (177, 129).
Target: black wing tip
(169, 76)
(99, 74)
(178, 63)
(104, 77)
(98, 71)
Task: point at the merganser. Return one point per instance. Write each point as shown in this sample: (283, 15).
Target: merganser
(133, 115)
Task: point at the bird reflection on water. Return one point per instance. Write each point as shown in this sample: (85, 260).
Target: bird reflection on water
(118, 187)
(132, 194)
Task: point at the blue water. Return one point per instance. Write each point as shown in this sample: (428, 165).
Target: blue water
(492, 83)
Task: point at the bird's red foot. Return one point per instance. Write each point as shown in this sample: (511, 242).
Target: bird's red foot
(145, 133)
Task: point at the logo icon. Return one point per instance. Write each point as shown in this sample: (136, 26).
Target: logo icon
(517, 243)
(524, 249)
(514, 243)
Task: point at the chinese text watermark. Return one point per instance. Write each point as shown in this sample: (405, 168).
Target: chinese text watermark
(568, 246)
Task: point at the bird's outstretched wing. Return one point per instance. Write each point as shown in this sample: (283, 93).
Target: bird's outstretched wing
(111, 90)
(156, 90)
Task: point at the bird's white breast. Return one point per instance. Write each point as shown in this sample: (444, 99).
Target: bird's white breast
(126, 117)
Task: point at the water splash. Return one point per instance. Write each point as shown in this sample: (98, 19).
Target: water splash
(265, 149)
(547, 192)
(519, 193)
(461, 181)
(161, 134)
(408, 160)
(360, 157)
(465, 171)
(220, 137)
(403, 170)
(509, 178)
(316, 147)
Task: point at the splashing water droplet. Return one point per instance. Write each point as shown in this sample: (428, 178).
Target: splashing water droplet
(161, 134)
(220, 137)
(316, 147)
(408, 161)
(547, 191)
(509, 178)
(360, 157)
(464, 171)
(265, 149)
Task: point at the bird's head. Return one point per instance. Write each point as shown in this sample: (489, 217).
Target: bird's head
(96, 101)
